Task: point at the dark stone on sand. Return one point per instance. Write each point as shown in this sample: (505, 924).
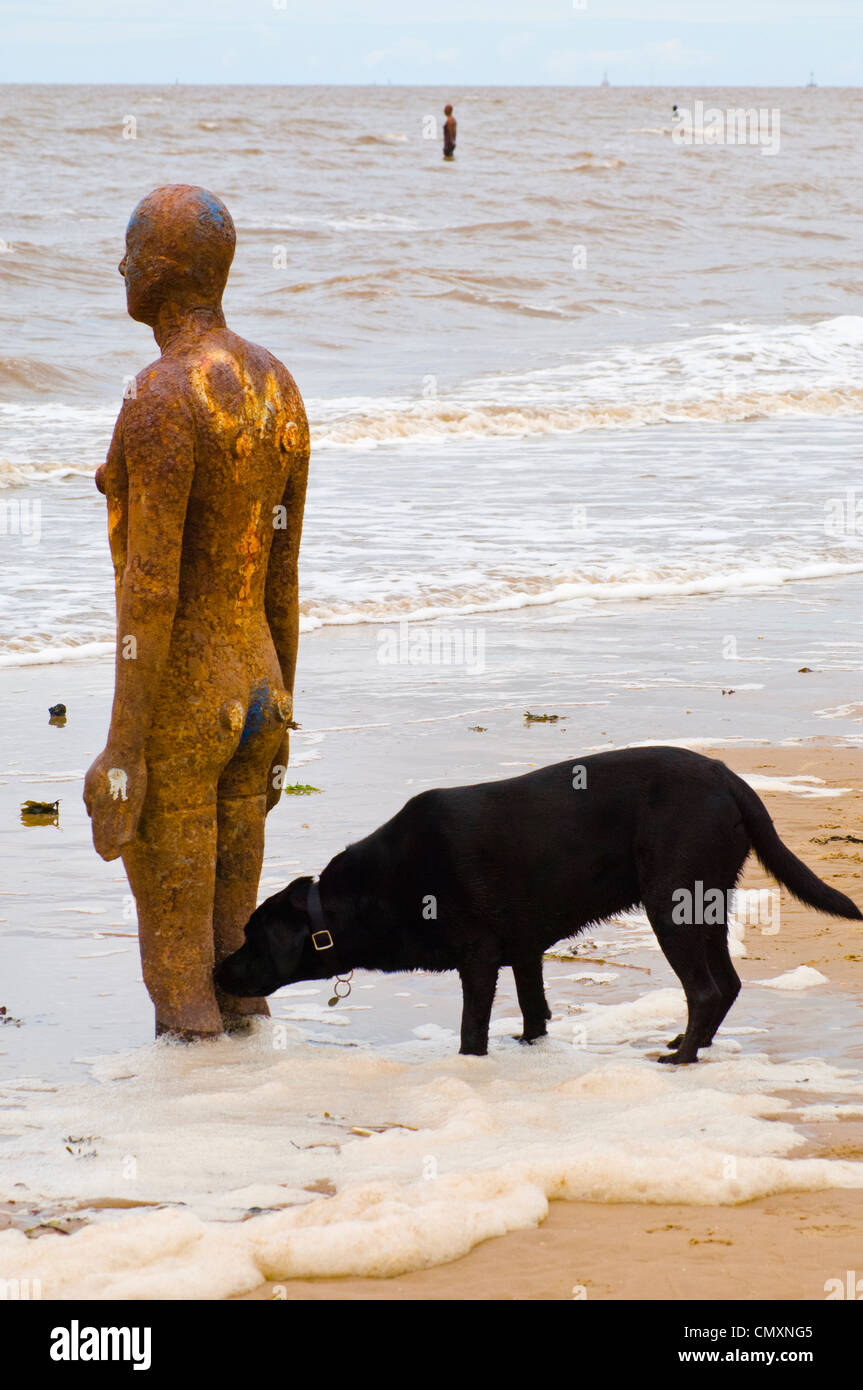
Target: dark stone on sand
(40, 812)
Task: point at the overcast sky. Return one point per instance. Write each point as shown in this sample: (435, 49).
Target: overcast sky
(451, 42)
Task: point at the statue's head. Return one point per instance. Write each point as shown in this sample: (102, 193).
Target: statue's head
(179, 246)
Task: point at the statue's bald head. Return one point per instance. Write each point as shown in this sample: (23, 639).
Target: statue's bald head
(179, 246)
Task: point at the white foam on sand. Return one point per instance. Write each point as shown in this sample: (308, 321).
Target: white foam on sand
(804, 977)
(798, 785)
(426, 1153)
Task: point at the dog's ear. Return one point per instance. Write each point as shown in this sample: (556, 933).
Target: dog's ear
(298, 893)
(280, 927)
(285, 943)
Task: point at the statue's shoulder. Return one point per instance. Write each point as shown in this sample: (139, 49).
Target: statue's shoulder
(267, 364)
(166, 377)
(161, 388)
(141, 381)
(287, 383)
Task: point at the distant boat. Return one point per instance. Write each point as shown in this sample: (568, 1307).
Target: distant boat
(605, 82)
(812, 82)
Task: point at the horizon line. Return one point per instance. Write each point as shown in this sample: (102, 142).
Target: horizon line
(457, 86)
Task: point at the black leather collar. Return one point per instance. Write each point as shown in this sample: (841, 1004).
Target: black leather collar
(322, 937)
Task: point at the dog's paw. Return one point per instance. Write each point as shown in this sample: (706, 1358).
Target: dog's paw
(676, 1043)
(676, 1059)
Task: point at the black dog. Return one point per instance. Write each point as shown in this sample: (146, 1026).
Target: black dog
(475, 878)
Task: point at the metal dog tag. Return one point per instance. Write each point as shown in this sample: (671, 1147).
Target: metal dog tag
(336, 995)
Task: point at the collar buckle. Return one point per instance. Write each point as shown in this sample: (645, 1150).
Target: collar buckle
(326, 945)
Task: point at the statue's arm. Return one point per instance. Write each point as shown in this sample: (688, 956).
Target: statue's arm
(113, 482)
(158, 447)
(282, 596)
(158, 450)
(282, 590)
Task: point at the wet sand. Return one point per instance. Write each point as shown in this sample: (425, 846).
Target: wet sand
(774, 1248)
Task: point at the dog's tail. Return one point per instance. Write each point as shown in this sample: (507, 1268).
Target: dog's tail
(780, 862)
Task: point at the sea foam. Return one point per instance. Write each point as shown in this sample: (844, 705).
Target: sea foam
(424, 1152)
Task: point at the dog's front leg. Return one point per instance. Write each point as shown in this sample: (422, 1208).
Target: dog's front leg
(478, 984)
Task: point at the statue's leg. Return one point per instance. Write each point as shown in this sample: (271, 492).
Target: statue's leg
(195, 864)
(241, 818)
(171, 871)
(238, 869)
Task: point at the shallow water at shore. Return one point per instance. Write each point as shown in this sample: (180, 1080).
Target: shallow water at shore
(373, 734)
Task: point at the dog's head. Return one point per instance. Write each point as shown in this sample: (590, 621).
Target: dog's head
(278, 935)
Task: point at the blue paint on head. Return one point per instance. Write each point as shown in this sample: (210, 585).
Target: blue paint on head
(257, 713)
(213, 210)
(140, 221)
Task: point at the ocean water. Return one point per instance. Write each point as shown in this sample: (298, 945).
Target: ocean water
(581, 360)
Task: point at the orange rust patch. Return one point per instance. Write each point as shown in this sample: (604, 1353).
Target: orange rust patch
(288, 437)
(250, 549)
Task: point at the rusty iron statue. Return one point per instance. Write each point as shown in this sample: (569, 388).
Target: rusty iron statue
(205, 482)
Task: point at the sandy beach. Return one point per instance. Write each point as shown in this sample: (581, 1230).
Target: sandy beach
(783, 1247)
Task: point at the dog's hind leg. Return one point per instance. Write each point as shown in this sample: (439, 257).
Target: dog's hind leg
(725, 977)
(535, 1012)
(478, 984)
(690, 852)
(685, 949)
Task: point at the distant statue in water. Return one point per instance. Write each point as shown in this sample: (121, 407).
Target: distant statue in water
(205, 481)
(449, 130)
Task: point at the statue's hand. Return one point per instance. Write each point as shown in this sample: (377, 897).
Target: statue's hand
(114, 791)
(278, 773)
